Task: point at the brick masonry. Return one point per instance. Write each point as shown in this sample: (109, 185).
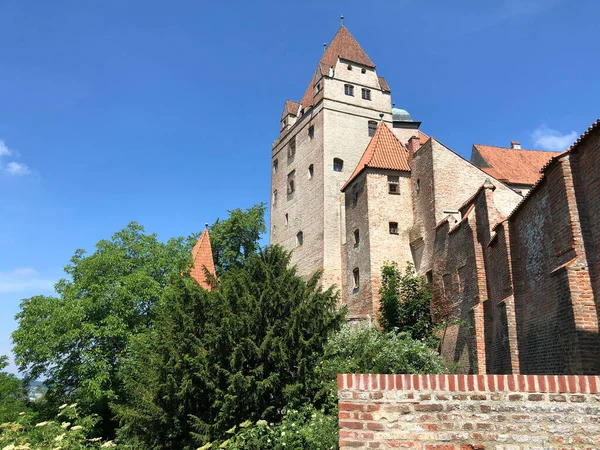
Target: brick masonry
(461, 412)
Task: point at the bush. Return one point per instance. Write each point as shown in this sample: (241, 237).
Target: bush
(69, 431)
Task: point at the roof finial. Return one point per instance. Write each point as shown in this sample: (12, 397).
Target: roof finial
(342, 19)
(206, 224)
(393, 105)
(381, 117)
(324, 46)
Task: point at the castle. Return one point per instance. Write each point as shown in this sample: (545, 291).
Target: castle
(508, 240)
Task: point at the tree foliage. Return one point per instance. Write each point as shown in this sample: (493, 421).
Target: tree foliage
(12, 393)
(405, 303)
(78, 340)
(216, 359)
(236, 238)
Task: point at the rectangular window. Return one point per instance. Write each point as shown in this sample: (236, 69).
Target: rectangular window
(372, 127)
(349, 90)
(292, 148)
(366, 94)
(393, 185)
(291, 186)
(393, 227)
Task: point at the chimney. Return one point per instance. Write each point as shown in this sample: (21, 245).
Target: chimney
(515, 145)
(414, 144)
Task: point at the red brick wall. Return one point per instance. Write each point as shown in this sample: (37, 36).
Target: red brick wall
(456, 412)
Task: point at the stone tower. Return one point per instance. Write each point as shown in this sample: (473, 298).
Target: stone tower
(322, 138)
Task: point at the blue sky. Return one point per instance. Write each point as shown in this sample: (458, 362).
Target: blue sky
(164, 112)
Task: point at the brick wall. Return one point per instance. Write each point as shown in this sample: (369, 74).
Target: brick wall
(460, 412)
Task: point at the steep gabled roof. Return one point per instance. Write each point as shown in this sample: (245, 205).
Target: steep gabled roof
(342, 46)
(383, 84)
(203, 259)
(290, 107)
(383, 152)
(517, 166)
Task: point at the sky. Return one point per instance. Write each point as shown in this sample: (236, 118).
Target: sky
(164, 112)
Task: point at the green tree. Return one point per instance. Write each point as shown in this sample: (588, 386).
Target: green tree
(236, 238)
(405, 303)
(216, 359)
(78, 340)
(12, 393)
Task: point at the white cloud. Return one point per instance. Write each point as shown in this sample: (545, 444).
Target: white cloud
(25, 279)
(549, 139)
(15, 168)
(4, 150)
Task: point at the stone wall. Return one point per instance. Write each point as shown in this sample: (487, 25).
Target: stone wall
(461, 412)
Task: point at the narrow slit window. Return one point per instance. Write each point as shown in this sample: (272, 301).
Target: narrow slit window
(354, 197)
(275, 197)
(311, 131)
(356, 237)
(291, 185)
(356, 278)
(311, 171)
(299, 238)
(276, 166)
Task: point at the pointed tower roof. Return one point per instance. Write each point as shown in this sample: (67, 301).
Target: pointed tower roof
(383, 152)
(203, 259)
(342, 46)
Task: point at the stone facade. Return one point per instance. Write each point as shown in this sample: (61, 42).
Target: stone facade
(467, 412)
(512, 258)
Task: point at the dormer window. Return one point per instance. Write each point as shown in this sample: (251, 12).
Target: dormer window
(338, 164)
(366, 94)
(349, 90)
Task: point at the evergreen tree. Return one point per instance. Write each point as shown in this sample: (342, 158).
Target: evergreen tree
(216, 359)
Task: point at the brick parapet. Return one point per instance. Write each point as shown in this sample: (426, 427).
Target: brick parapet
(468, 411)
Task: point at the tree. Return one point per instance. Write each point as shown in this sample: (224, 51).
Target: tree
(78, 340)
(236, 238)
(405, 303)
(216, 359)
(12, 394)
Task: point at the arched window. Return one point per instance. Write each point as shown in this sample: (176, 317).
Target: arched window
(338, 164)
(299, 238)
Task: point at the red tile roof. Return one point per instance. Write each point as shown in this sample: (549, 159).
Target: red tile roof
(291, 107)
(422, 137)
(203, 259)
(515, 166)
(342, 46)
(383, 84)
(383, 152)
